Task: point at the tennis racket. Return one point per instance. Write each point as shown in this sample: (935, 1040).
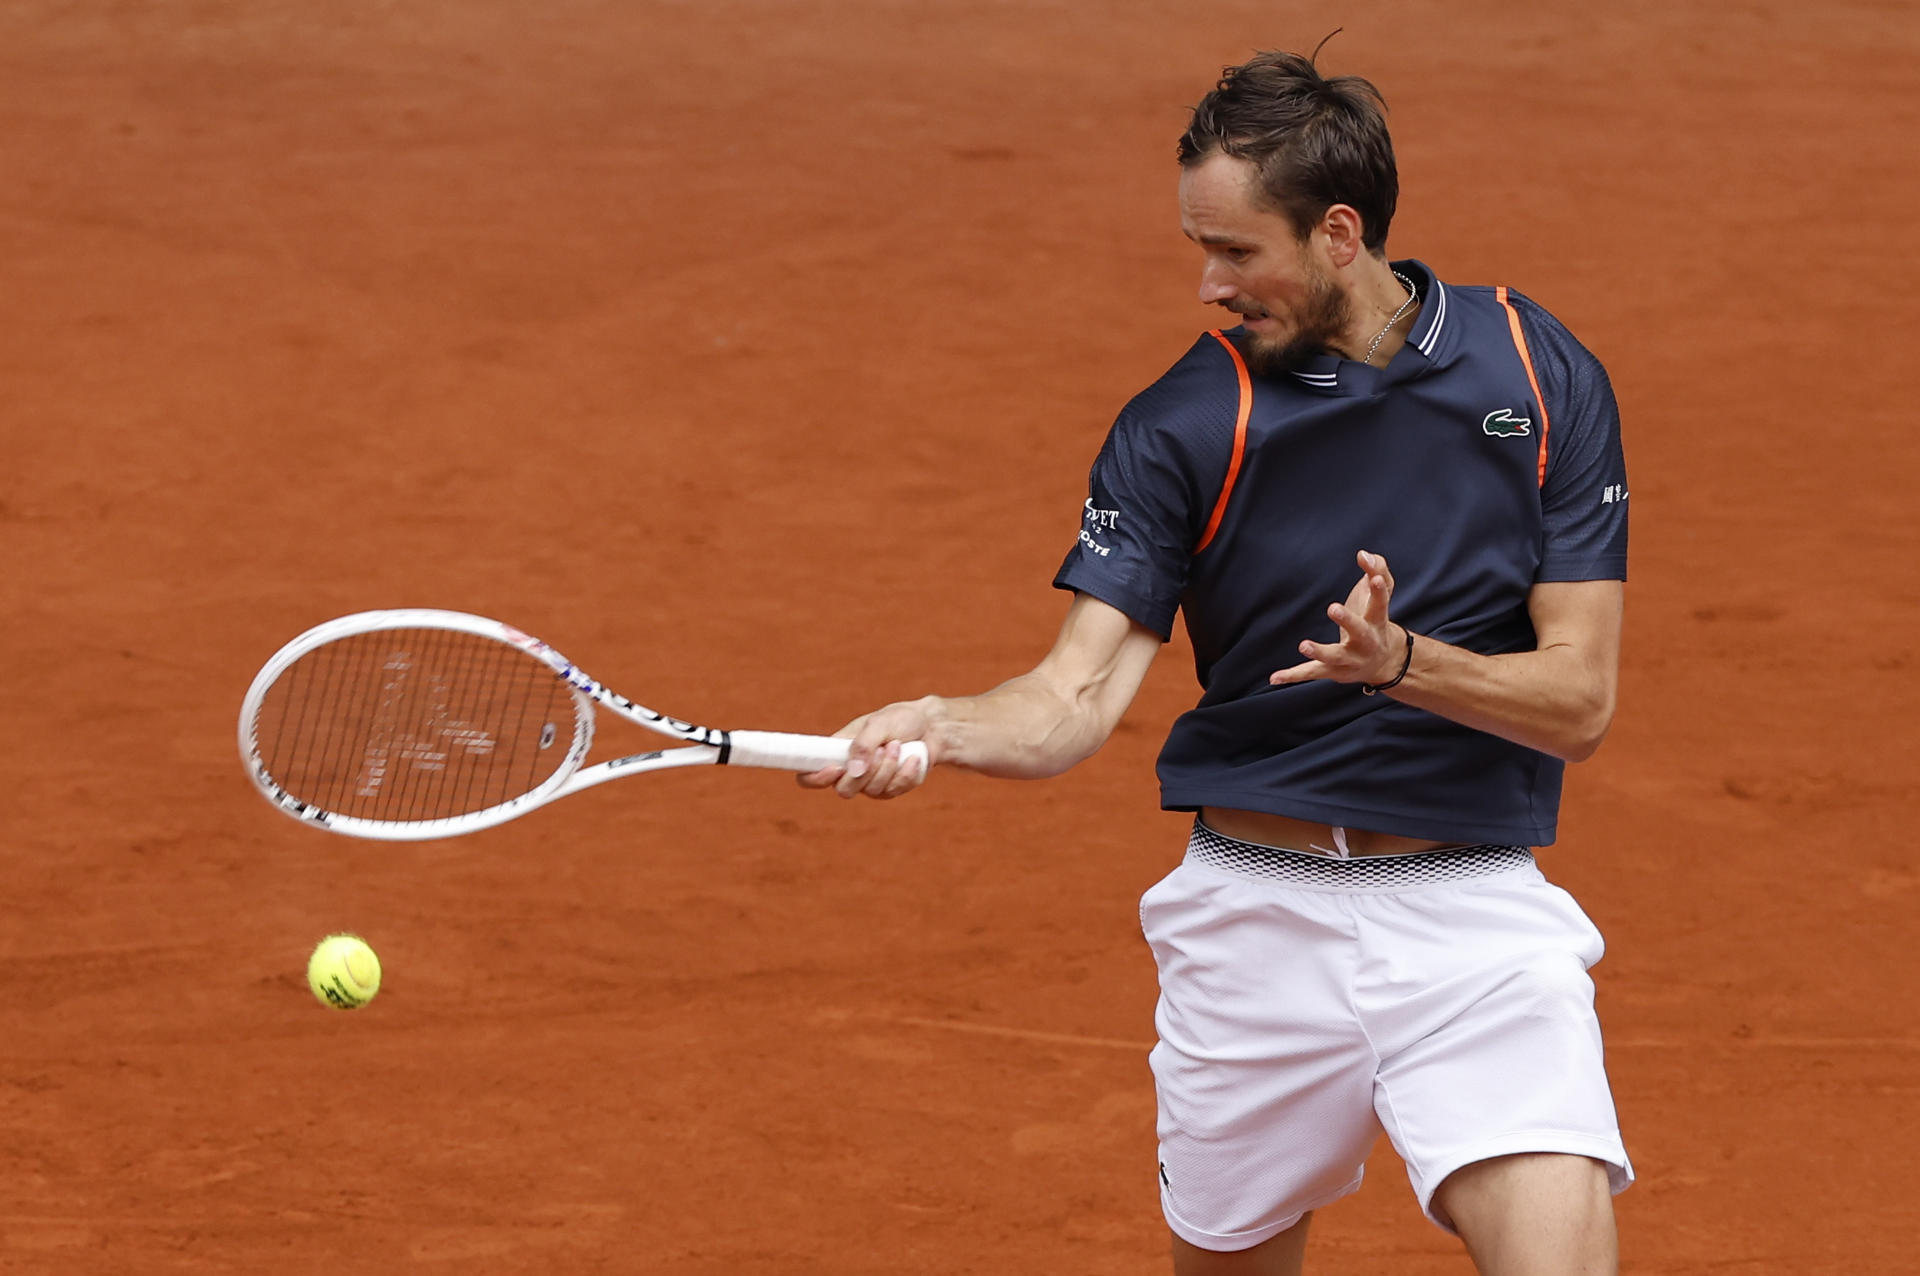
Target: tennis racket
(413, 724)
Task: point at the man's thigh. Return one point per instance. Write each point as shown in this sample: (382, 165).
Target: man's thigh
(1264, 1078)
(1537, 1214)
(1485, 1024)
(1282, 1255)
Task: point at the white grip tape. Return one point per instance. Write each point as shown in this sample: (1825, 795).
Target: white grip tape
(782, 751)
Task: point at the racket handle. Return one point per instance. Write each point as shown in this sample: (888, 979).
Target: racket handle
(783, 752)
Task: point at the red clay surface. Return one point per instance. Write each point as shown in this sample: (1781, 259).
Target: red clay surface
(754, 354)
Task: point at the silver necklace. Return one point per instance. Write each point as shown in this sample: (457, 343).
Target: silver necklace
(1412, 296)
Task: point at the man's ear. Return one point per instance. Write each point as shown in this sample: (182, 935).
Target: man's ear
(1345, 234)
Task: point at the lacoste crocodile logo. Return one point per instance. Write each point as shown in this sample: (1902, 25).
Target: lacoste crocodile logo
(1505, 425)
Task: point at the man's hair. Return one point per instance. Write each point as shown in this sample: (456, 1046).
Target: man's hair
(1314, 142)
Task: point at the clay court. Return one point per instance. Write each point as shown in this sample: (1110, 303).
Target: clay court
(754, 354)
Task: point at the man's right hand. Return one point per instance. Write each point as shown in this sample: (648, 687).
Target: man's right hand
(875, 767)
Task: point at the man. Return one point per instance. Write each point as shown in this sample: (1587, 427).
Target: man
(1358, 936)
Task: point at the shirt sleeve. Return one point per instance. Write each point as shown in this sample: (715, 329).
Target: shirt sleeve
(1151, 489)
(1583, 499)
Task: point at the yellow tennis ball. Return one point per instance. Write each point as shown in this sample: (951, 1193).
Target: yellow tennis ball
(343, 972)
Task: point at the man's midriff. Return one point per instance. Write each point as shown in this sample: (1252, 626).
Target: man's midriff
(1283, 831)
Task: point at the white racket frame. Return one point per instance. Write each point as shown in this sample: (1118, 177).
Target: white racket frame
(706, 746)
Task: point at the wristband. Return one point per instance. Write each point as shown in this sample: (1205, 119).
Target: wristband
(1368, 688)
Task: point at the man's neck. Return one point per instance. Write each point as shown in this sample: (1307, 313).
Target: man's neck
(1377, 297)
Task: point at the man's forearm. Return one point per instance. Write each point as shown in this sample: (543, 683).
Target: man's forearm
(1557, 698)
(1027, 728)
(1023, 729)
(1552, 699)
(1055, 715)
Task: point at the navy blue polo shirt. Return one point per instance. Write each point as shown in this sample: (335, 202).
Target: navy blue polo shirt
(1483, 459)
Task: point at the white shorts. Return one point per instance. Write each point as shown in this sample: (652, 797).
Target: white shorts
(1307, 1002)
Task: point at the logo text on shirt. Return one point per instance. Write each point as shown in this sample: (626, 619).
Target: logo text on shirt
(1097, 520)
(1613, 492)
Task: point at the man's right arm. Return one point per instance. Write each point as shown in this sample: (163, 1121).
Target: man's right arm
(1029, 727)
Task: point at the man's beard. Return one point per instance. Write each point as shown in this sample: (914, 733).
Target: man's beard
(1322, 323)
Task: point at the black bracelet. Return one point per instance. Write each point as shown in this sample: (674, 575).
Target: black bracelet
(1369, 688)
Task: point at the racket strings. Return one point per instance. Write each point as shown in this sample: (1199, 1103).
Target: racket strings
(414, 724)
(424, 760)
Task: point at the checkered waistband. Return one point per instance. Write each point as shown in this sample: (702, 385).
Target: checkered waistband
(1367, 872)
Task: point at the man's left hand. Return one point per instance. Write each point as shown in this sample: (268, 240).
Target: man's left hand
(1371, 647)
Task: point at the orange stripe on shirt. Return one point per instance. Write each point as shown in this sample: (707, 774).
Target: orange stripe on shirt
(1239, 440)
(1520, 344)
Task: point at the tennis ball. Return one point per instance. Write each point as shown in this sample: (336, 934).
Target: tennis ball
(343, 972)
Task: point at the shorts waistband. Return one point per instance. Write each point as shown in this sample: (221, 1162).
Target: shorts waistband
(1365, 873)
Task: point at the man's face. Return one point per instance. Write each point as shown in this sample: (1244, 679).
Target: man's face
(1258, 268)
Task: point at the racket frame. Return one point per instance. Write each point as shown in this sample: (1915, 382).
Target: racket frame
(703, 746)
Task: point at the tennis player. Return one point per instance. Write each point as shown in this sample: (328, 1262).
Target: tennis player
(1393, 513)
